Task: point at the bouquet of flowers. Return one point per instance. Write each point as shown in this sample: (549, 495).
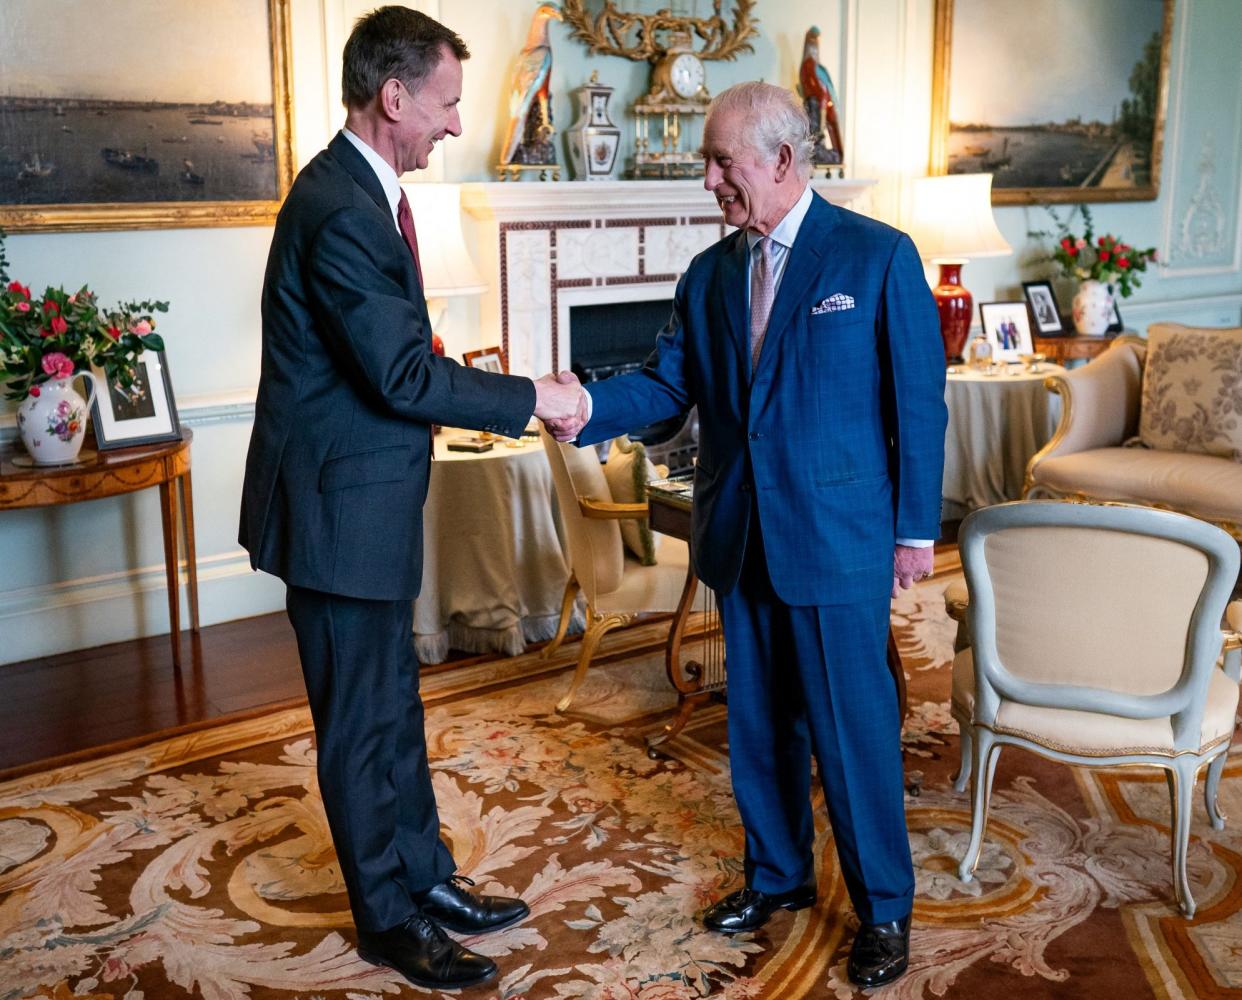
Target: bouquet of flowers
(1106, 258)
(58, 333)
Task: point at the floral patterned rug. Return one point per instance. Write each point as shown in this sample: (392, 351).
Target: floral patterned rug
(202, 865)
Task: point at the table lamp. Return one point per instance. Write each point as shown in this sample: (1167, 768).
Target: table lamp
(952, 222)
(447, 268)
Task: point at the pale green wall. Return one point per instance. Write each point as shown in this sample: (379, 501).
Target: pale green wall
(88, 574)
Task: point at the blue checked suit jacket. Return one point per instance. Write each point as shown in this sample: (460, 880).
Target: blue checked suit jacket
(839, 436)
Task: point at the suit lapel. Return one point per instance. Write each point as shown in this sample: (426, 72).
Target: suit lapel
(347, 156)
(732, 289)
(798, 282)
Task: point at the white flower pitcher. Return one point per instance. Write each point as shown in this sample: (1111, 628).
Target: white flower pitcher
(53, 423)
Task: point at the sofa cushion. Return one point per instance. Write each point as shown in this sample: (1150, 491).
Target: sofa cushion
(1192, 391)
(1202, 485)
(628, 472)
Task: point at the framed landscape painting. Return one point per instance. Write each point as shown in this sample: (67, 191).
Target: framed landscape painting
(1060, 100)
(140, 115)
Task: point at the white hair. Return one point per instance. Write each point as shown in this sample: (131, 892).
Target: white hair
(772, 116)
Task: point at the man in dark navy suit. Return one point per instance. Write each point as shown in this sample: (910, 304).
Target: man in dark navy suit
(810, 343)
(337, 474)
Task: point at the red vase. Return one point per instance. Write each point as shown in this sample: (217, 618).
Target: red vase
(437, 345)
(956, 306)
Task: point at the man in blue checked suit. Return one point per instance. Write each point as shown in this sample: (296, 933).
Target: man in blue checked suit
(810, 343)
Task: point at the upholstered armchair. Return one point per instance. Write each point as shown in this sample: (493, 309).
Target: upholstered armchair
(1169, 438)
(1096, 632)
(617, 586)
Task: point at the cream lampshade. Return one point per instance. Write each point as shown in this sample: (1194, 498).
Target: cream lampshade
(952, 222)
(448, 270)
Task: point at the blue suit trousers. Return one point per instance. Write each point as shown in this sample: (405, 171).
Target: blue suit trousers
(805, 680)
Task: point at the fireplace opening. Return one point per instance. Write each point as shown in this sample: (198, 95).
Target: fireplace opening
(615, 338)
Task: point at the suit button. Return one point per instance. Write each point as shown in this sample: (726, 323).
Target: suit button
(753, 435)
(745, 487)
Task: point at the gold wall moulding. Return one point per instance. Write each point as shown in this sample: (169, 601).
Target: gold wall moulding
(614, 32)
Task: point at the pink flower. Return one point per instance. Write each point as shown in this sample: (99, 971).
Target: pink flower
(142, 327)
(57, 365)
(23, 307)
(1080, 243)
(73, 299)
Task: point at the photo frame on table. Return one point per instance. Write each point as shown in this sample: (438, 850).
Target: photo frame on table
(1116, 326)
(1007, 328)
(143, 413)
(1045, 313)
(488, 359)
(1010, 98)
(192, 129)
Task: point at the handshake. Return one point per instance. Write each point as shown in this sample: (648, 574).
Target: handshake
(561, 403)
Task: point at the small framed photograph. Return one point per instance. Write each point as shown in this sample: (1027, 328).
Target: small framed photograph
(142, 413)
(1045, 313)
(1007, 328)
(1116, 326)
(489, 359)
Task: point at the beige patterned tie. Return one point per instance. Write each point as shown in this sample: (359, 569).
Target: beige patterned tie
(762, 292)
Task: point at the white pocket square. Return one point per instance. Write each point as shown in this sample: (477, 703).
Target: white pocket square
(837, 302)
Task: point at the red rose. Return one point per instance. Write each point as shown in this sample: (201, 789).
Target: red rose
(1123, 247)
(35, 390)
(1123, 262)
(113, 332)
(1104, 255)
(1067, 243)
(16, 286)
(59, 326)
(51, 308)
(1072, 251)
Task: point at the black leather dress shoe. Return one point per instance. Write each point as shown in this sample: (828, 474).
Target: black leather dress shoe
(425, 955)
(451, 906)
(880, 953)
(749, 909)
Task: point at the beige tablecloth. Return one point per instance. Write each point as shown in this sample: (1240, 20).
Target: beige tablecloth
(996, 423)
(494, 567)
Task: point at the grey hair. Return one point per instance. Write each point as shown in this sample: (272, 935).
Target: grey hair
(772, 116)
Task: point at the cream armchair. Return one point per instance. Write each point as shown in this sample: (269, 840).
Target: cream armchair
(1100, 411)
(617, 587)
(1096, 632)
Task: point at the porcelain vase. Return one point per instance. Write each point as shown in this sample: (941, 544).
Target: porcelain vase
(593, 140)
(1093, 307)
(53, 423)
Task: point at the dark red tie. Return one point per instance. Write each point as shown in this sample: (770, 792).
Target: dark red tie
(405, 222)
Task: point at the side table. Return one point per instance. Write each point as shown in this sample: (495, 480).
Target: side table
(112, 473)
(1073, 346)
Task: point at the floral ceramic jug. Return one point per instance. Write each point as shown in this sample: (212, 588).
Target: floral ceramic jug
(53, 423)
(1093, 307)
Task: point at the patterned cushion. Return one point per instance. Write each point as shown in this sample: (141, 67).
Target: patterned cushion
(628, 471)
(1192, 390)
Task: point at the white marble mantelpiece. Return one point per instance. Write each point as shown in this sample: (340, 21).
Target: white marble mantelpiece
(544, 247)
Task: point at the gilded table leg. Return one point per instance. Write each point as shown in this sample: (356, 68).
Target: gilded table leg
(168, 510)
(191, 556)
(687, 680)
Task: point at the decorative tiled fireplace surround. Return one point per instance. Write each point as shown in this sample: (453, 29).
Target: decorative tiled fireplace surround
(545, 247)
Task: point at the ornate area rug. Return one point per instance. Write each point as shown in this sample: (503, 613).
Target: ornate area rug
(202, 865)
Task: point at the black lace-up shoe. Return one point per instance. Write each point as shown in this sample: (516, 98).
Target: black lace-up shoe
(451, 906)
(749, 909)
(425, 955)
(880, 953)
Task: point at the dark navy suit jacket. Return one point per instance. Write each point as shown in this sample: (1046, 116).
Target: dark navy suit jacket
(839, 437)
(339, 456)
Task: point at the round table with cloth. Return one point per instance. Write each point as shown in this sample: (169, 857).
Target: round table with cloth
(996, 423)
(494, 568)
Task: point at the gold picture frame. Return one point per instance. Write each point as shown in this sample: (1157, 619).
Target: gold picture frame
(1066, 160)
(272, 151)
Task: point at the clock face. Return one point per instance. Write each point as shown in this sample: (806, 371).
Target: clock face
(686, 74)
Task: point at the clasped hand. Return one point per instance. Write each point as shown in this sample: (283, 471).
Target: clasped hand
(561, 403)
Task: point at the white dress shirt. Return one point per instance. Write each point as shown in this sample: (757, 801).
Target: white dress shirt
(388, 178)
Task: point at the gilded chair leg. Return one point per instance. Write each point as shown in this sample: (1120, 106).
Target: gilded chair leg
(567, 612)
(966, 736)
(600, 625)
(1181, 777)
(1211, 791)
(983, 767)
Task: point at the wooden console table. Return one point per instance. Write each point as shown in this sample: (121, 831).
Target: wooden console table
(109, 474)
(1074, 346)
(696, 682)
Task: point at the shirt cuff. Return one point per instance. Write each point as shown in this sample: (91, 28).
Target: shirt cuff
(590, 403)
(917, 543)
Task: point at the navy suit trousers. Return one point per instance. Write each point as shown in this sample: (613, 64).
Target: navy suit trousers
(362, 682)
(805, 680)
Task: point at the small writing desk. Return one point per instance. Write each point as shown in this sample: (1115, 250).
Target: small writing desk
(112, 473)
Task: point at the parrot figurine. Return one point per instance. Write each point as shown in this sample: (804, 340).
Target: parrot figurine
(819, 97)
(528, 139)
